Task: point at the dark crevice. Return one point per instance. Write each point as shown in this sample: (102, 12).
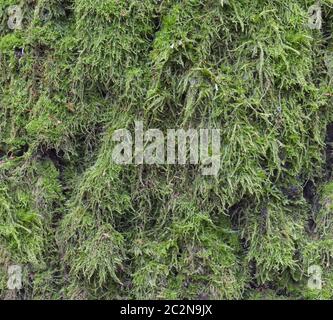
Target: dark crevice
(57, 157)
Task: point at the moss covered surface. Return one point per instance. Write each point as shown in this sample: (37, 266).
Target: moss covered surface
(83, 227)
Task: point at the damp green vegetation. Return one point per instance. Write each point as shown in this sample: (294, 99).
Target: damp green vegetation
(83, 227)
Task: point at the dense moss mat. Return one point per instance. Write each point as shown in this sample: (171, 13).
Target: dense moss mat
(83, 227)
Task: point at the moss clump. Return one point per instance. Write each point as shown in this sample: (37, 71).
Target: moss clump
(83, 227)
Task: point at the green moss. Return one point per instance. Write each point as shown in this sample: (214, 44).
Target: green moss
(87, 228)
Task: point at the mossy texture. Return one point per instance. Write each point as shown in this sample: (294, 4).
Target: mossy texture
(83, 227)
